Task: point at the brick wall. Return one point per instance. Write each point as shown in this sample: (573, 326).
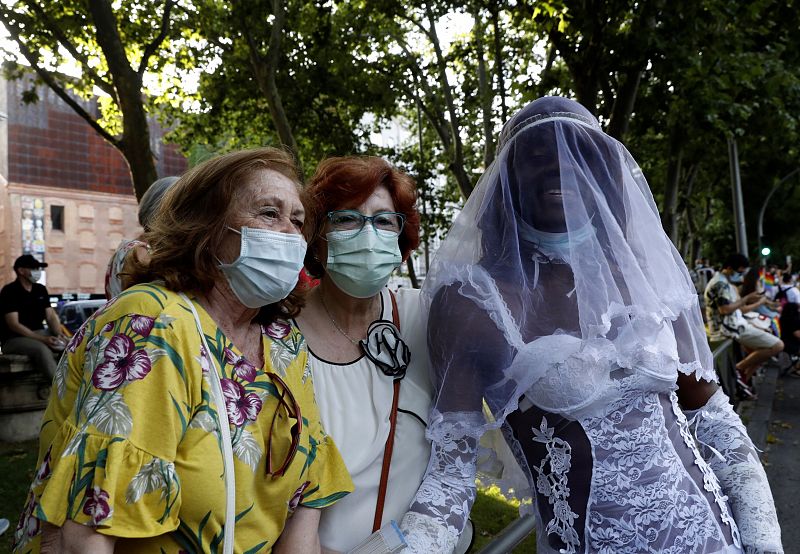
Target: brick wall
(50, 145)
(50, 153)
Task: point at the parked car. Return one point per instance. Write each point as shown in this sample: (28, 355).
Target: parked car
(72, 314)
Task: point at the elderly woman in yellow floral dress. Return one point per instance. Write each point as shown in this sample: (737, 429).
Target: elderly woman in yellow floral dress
(136, 453)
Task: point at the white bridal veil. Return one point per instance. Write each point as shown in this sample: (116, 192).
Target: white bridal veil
(558, 261)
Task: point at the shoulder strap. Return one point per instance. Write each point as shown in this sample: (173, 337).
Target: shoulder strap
(225, 432)
(387, 451)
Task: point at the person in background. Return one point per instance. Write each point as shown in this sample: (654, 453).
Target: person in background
(118, 273)
(25, 306)
(701, 275)
(182, 417)
(726, 309)
(790, 334)
(787, 291)
(361, 224)
(752, 282)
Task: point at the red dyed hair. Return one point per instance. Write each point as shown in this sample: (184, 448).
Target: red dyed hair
(346, 182)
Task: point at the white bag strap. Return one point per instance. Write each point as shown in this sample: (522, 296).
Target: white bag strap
(225, 430)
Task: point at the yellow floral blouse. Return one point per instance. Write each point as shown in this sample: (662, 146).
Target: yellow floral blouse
(130, 442)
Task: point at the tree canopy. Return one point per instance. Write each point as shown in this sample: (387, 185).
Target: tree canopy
(675, 81)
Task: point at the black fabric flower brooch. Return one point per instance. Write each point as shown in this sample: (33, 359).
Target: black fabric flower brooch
(386, 349)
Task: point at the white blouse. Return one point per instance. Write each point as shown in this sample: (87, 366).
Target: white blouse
(355, 401)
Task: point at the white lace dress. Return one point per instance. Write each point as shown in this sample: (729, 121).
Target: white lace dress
(610, 460)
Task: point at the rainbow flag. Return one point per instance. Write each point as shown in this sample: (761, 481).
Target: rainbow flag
(767, 278)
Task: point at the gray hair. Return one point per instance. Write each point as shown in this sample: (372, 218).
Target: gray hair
(152, 198)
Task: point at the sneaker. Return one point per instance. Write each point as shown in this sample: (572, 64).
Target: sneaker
(746, 391)
(3, 525)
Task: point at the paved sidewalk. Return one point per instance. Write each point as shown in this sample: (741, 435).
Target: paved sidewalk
(774, 424)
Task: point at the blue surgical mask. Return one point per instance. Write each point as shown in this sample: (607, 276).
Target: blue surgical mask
(267, 268)
(361, 264)
(737, 277)
(554, 246)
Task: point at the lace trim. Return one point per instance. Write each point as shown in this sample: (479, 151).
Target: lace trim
(733, 458)
(426, 535)
(710, 481)
(555, 487)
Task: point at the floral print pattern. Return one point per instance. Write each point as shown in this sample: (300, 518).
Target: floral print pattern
(242, 405)
(552, 483)
(133, 413)
(121, 362)
(97, 506)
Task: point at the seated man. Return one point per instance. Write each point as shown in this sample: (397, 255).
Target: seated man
(25, 304)
(725, 315)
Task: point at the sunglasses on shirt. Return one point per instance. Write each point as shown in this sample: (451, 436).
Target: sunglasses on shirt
(287, 403)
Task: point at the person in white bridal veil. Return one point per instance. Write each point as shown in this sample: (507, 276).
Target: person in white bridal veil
(561, 314)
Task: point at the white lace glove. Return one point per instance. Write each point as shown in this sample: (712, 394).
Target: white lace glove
(441, 507)
(727, 448)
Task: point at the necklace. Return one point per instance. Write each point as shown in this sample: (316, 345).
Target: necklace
(338, 328)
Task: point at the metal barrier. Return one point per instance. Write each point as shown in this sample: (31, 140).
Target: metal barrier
(511, 536)
(725, 360)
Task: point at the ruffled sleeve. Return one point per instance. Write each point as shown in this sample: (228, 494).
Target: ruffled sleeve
(324, 476)
(328, 478)
(123, 395)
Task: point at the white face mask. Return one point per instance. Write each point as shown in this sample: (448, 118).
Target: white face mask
(361, 264)
(267, 268)
(36, 274)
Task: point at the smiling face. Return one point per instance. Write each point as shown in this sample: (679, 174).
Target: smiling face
(537, 176)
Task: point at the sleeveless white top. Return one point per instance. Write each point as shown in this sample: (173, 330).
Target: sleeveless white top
(355, 400)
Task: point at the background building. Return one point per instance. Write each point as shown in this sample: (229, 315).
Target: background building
(66, 195)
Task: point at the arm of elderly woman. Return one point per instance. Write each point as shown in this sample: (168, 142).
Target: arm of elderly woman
(730, 453)
(300, 533)
(73, 538)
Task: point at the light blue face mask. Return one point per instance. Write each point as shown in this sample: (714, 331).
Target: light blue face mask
(553, 246)
(737, 277)
(268, 266)
(361, 264)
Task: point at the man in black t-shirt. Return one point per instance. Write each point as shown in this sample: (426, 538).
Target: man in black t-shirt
(25, 305)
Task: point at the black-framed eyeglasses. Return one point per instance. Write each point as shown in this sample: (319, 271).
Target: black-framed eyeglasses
(288, 403)
(352, 220)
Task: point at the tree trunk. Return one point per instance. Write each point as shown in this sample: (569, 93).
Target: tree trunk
(484, 91)
(265, 69)
(498, 60)
(457, 153)
(135, 143)
(623, 104)
(412, 273)
(669, 216)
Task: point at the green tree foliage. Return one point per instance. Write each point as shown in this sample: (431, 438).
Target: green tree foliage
(674, 80)
(302, 61)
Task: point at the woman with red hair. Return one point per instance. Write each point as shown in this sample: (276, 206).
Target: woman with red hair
(366, 344)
